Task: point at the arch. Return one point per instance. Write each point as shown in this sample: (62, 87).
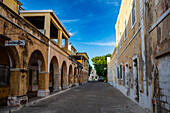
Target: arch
(36, 61)
(9, 58)
(36, 65)
(63, 74)
(4, 74)
(54, 70)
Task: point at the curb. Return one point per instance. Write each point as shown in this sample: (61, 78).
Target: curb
(38, 100)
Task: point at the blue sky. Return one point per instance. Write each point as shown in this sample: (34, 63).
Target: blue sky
(91, 23)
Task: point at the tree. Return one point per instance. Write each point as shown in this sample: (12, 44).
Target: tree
(90, 68)
(100, 63)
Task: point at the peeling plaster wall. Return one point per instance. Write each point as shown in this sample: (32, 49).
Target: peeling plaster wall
(164, 83)
(158, 52)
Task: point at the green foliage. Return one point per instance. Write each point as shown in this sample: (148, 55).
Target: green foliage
(100, 62)
(90, 68)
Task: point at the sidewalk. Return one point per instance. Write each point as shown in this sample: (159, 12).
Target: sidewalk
(9, 109)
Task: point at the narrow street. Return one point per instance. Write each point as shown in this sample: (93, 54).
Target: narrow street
(93, 97)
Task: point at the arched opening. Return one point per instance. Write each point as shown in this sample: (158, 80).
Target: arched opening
(63, 74)
(9, 58)
(70, 78)
(35, 66)
(54, 70)
(4, 75)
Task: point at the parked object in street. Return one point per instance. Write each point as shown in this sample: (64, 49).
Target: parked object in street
(101, 79)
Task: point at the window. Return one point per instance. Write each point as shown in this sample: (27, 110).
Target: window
(120, 43)
(117, 48)
(115, 69)
(123, 75)
(35, 77)
(133, 14)
(4, 75)
(121, 71)
(118, 72)
(120, 40)
(125, 32)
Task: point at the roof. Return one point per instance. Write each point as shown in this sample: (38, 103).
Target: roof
(83, 53)
(73, 47)
(47, 11)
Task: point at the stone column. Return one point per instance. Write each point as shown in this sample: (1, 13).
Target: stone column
(56, 82)
(18, 82)
(43, 84)
(65, 86)
(69, 80)
(47, 25)
(66, 44)
(59, 82)
(71, 77)
(60, 38)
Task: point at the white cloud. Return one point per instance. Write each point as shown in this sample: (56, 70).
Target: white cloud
(72, 33)
(115, 3)
(68, 21)
(100, 43)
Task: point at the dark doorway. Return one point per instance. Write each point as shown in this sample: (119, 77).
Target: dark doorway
(63, 75)
(4, 76)
(51, 78)
(136, 83)
(35, 65)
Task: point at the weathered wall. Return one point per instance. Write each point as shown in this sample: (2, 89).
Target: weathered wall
(157, 46)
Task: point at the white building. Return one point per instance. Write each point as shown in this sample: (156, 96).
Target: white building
(93, 76)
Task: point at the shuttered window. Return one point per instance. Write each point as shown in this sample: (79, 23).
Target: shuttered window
(133, 14)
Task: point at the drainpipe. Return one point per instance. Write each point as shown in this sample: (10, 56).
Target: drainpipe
(49, 57)
(143, 45)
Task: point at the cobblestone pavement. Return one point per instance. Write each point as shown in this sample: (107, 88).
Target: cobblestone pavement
(93, 97)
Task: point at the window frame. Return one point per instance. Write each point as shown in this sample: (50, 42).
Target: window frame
(132, 25)
(118, 75)
(120, 40)
(121, 71)
(117, 49)
(125, 28)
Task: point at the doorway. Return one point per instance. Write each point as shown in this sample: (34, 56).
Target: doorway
(136, 83)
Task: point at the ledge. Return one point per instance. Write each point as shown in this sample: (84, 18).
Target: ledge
(162, 53)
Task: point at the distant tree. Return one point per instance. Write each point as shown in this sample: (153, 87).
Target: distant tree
(100, 64)
(90, 68)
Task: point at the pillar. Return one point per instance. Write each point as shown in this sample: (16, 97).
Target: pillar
(60, 38)
(56, 82)
(43, 84)
(59, 82)
(47, 25)
(66, 44)
(18, 84)
(65, 85)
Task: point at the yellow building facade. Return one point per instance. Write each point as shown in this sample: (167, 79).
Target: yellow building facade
(34, 60)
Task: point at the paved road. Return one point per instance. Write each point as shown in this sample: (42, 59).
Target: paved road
(94, 97)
